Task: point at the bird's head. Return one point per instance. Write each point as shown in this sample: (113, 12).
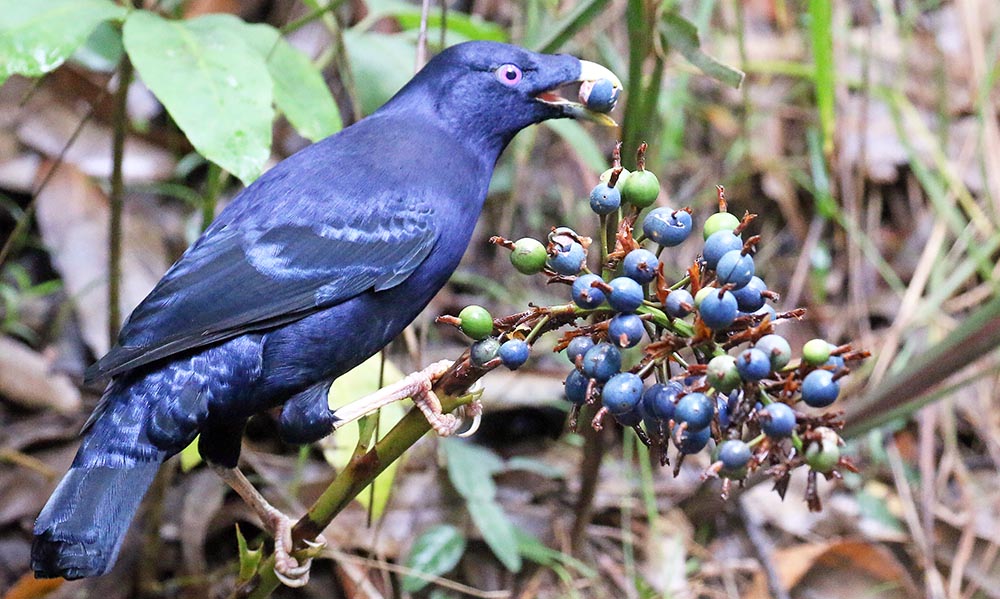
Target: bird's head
(489, 91)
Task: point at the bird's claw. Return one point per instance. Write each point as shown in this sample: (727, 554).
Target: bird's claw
(445, 425)
(474, 409)
(287, 568)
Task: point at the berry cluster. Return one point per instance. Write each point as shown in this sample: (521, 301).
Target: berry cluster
(712, 370)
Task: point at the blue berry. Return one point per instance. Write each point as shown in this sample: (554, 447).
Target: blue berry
(604, 199)
(735, 268)
(777, 349)
(641, 265)
(734, 454)
(679, 303)
(749, 298)
(567, 259)
(777, 420)
(484, 350)
(576, 387)
(690, 441)
(625, 330)
(602, 362)
(666, 226)
(696, 409)
(660, 399)
(819, 389)
(578, 346)
(766, 309)
(753, 365)
(626, 294)
(514, 353)
(723, 374)
(584, 294)
(836, 362)
(621, 393)
(631, 417)
(600, 95)
(722, 409)
(718, 312)
(718, 244)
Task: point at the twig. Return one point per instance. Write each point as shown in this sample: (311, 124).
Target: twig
(452, 389)
(117, 200)
(425, 8)
(341, 556)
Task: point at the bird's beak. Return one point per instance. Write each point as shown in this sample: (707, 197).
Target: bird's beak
(589, 72)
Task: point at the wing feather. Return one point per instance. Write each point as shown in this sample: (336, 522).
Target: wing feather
(234, 281)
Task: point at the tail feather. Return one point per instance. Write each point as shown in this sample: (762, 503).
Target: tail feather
(81, 528)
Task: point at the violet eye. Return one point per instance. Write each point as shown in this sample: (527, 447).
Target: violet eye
(508, 74)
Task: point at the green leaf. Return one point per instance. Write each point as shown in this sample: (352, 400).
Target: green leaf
(471, 469)
(190, 456)
(249, 558)
(434, 553)
(580, 141)
(299, 89)
(534, 465)
(534, 550)
(36, 37)
(561, 31)
(821, 35)
(214, 86)
(338, 449)
(679, 33)
(384, 62)
(497, 530)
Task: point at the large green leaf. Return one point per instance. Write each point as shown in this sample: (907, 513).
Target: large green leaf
(339, 448)
(211, 82)
(36, 36)
(682, 34)
(299, 90)
(471, 468)
(434, 553)
(383, 62)
(497, 530)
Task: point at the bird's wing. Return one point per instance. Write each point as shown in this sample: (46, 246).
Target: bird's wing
(238, 280)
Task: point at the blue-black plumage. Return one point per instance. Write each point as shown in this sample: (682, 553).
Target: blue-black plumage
(305, 274)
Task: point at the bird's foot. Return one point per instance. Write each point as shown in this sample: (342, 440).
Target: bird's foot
(446, 425)
(289, 570)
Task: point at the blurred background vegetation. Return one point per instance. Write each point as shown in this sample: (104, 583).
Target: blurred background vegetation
(865, 134)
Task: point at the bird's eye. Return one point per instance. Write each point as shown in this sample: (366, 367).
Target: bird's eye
(508, 74)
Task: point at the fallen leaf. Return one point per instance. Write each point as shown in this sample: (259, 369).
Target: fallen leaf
(48, 125)
(29, 587)
(73, 219)
(26, 379)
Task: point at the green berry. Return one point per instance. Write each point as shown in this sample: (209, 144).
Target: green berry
(641, 189)
(484, 350)
(528, 256)
(702, 294)
(816, 352)
(824, 455)
(720, 221)
(723, 374)
(606, 176)
(476, 322)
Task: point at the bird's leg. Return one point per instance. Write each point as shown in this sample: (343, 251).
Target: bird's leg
(288, 570)
(418, 387)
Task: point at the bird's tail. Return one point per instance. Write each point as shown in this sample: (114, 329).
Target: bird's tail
(80, 530)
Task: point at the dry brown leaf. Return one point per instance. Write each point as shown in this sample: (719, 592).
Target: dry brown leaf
(26, 379)
(853, 562)
(29, 587)
(46, 126)
(73, 219)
